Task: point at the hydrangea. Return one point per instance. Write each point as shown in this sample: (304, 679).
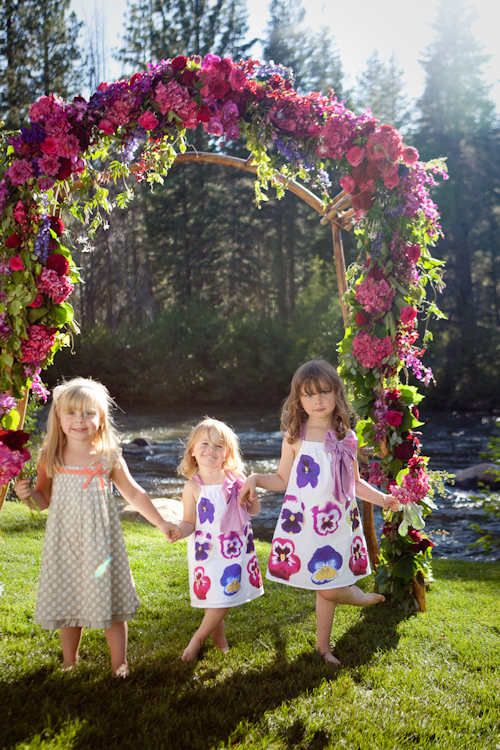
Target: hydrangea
(57, 287)
(370, 352)
(375, 296)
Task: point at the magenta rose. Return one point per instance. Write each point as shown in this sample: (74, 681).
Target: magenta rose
(410, 155)
(237, 79)
(14, 240)
(49, 146)
(394, 418)
(20, 171)
(362, 319)
(408, 314)
(178, 63)
(148, 120)
(16, 263)
(204, 114)
(355, 155)
(413, 253)
(37, 302)
(58, 263)
(347, 183)
(107, 127)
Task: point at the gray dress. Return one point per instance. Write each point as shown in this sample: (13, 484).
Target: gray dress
(85, 580)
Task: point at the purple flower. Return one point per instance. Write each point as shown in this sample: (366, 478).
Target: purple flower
(231, 579)
(206, 510)
(326, 520)
(249, 535)
(354, 518)
(230, 544)
(292, 517)
(307, 472)
(202, 545)
(283, 562)
(324, 565)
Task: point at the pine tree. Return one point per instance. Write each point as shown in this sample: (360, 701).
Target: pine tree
(15, 32)
(380, 88)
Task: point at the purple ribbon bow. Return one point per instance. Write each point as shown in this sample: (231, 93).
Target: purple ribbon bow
(235, 516)
(343, 454)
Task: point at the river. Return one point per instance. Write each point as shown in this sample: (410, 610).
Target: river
(452, 440)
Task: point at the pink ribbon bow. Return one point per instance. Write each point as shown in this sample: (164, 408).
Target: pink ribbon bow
(97, 472)
(235, 516)
(343, 454)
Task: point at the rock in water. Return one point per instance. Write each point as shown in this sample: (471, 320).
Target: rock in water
(488, 474)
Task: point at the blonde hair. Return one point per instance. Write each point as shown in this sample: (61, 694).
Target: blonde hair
(81, 394)
(313, 377)
(233, 460)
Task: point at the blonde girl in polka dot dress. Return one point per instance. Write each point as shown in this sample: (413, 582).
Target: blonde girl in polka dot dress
(85, 579)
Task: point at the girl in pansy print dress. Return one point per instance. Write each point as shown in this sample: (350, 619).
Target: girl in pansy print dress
(318, 543)
(223, 567)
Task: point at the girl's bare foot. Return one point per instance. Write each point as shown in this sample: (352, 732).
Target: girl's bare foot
(192, 649)
(329, 657)
(361, 599)
(68, 666)
(122, 671)
(222, 646)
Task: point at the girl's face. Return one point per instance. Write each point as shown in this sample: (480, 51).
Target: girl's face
(318, 405)
(209, 451)
(80, 425)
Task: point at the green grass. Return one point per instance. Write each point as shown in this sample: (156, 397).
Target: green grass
(425, 681)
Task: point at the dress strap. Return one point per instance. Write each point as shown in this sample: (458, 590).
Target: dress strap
(302, 433)
(197, 480)
(87, 471)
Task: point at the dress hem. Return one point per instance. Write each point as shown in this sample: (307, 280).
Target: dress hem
(81, 622)
(201, 604)
(321, 587)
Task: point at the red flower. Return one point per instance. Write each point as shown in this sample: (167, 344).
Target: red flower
(107, 127)
(187, 78)
(393, 395)
(362, 319)
(410, 155)
(225, 65)
(415, 412)
(56, 225)
(58, 263)
(405, 450)
(179, 63)
(16, 263)
(413, 253)
(148, 120)
(204, 114)
(408, 314)
(14, 439)
(14, 240)
(37, 302)
(377, 273)
(394, 418)
(65, 170)
(49, 146)
(348, 183)
(362, 201)
(219, 88)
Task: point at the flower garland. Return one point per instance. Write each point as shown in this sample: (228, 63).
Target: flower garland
(297, 136)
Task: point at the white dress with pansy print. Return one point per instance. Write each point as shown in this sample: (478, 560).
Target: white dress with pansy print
(223, 566)
(318, 542)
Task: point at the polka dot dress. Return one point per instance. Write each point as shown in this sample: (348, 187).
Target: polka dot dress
(85, 580)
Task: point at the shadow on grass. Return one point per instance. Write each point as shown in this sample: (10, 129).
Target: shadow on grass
(450, 570)
(169, 704)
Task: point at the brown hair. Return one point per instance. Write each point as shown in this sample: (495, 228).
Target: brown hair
(80, 394)
(233, 461)
(313, 377)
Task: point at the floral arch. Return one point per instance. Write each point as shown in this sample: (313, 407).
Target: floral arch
(56, 158)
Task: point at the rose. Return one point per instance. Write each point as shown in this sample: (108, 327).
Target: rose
(14, 439)
(16, 263)
(225, 65)
(394, 418)
(49, 146)
(355, 155)
(410, 155)
(56, 225)
(187, 78)
(363, 201)
(56, 128)
(178, 63)
(393, 395)
(14, 240)
(405, 450)
(377, 273)
(219, 88)
(347, 183)
(19, 171)
(413, 253)
(408, 314)
(58, 263)
(65, 171)
(107, 127)
(148, 120)
(362, 319)
(237, 79)
(37, 302)
(204, 114)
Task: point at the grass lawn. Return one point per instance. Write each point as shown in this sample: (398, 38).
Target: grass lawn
(425, 681)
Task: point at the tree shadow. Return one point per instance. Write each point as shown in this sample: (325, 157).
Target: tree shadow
(376, 630)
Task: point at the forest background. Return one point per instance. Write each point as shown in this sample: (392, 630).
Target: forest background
(193, 293)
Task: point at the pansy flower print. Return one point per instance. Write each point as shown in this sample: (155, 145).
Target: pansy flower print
(326, 520)
(292, 516)
(230, 544)
(201, 583)
(254, 575)
(324, 565)
(202, 545)
(283, 562)
(247, 532)
(359, 557)
(307, 472)
(354, 518)
(206, 510)
(231, 579)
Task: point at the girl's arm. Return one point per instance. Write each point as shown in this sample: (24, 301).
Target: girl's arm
(134, 494)
(276, 482)
(366, 492)
(189, 497)
(255, 507)
(40, 495)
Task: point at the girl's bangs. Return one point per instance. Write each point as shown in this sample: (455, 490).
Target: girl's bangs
(79, 400)
(316, 384)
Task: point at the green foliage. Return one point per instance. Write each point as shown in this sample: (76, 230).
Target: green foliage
(489, 501)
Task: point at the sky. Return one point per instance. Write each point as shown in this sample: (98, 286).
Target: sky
(402, 27)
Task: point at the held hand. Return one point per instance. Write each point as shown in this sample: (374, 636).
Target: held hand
(391, 503)
(171, 532)
(248, 493)
(23, 489)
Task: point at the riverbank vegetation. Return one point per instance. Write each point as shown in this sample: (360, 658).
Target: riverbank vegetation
(424, 681)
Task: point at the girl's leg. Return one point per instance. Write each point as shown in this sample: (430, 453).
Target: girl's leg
(352, 595)
(70, 642)
(116, 636)
(325, 612)
(211, 623)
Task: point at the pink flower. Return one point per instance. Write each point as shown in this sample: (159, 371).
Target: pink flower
(347, 183)
(233, 132)
(49, 146)
(45, 183)
(370, 352)
(410, 155)
(390, 177)
(413, 253)
(408, 314)
(107, 127)
(57, 287)
(375, 296)
(20, 171)
(362, 319)
(237, 79)
(55, 128)
(201, 583)
(355, 156)
(37, 302)
(19, 213)
(394, 418)
(40, 341)
(214, 127)
(16, 263)
(11, 462)
(384, 144)
(68, 146)
(49, 164)
(148, 121)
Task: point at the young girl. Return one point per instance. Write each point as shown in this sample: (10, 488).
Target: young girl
(318, 543)
(223, 566)
(85, 578)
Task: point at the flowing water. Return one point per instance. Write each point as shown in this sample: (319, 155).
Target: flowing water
(452, 440)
